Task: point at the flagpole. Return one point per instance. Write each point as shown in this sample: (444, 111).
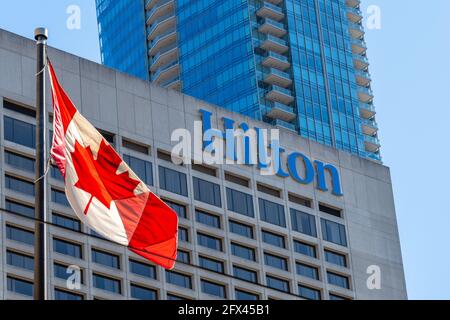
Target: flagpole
(40, 258)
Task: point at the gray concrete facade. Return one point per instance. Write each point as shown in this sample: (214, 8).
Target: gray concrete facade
(134, 110)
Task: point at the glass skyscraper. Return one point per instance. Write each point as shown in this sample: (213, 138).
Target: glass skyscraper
(297, 64)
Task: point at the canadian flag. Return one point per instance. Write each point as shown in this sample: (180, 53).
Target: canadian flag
(104, 192)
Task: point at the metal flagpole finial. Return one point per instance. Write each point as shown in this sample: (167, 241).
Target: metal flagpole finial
(41, 34)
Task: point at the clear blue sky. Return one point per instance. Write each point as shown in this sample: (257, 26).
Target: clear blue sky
(410, 68)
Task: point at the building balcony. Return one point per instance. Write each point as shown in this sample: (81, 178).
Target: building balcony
(162, 8)
(275, 44)
(362, 78)
(162, 40)
(366, 110)
(277, 77)
(166, 72)
(354, 14)
(272, 27)
(271, 11)
(283, 124)
(279, 94)
(160, 26)
(360, 62)
(164, 56)
(369, 126)
(358, 46)
(353, 3)
(280, 111)
(356, 30)
(275, 60)
(372, 143)
(365, 94)
(172, 83)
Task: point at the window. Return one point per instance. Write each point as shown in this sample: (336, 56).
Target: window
(273, 239)
(303, 223)
(211, 264)
(209, 241)
(61, 271)
(204, 169)
(213, 289)
(272, 212)
(56, 174)
(277, 284)
(12, 206)
(65, 295)
(105, 259)
(142, 168)
(20, 235)
(183, 256)
(179, 279)
(19, 185)
(20, 162)
(207, 192)
(20, 286)
(20, 132)
(330, 210)
(308, 293)
(307, 271)
(300, 200)
(305, 249)
(244, 295)
(142, 269)
(67, 248)
(178, 208)
(172, 181)
(107, 135)
(334, 232)
(241, 229)
(183, 234)
(59, 197)
(335, 258)
(243, 252)
(336, 297)
(245, 274)
(237, 180)
(135, 146)
(240, 202)
(106, 283)
(143, 293)
(19, 108)
(66, 222)
(268, 190)
(338, 280)
(275, 261)
(19, 260)
(173, 297)
(207, 219)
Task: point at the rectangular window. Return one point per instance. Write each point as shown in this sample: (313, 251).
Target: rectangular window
(143, 293)
(65, 295)
(275, 261)
(19, 185)
(20, 235)
(61, 271)
(135, 146)
(209, 242)
(300, 200)
(268, 190)
(25, 110)
(237, 180)
(243, 252)
(106, 259)
(337, 298)
(20, 132)
(183, 234)
(305, 249)
(272, 212)
(329, 210)
(183, 256)
(241, 229)
(308, 293)
(107, 135)
(172, 181)
(204, 169)
(336, 258)
(22, 209)
(244, 295)
(273, 239)
(106, 283)
(245, 274)
(178, 208)
(207, 192)
(213, 289)
(303, 223)
(207, 219)
(20, 286)
(142, 168)
(179, 279)
(59, 197)
(338, 280)
(20, 162)
(67, 248)
(277, 284)
(142, 269)
(19, 260)
(307, 271)
(66, 222)
(174, 297)
(56, 174)
(240, 202)
(211, 264)
(334, 232)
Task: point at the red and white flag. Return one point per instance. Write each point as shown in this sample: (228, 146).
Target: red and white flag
(103, 191)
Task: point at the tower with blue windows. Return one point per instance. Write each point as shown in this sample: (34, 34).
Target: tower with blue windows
(297, 64)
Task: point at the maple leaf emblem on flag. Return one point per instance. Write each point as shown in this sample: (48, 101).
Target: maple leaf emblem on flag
(98, 177)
